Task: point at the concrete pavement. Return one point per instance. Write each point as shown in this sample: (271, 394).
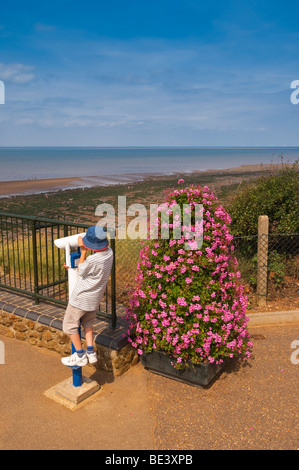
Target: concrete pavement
(248, 407)
(118, 417)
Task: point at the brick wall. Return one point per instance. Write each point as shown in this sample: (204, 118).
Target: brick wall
(13, 326)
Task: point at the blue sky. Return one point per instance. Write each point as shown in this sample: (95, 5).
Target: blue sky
(149, 73)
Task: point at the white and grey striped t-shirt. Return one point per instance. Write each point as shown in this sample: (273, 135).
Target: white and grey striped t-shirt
(92, 280)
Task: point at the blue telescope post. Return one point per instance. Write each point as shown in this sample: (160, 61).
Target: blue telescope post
(77, 371)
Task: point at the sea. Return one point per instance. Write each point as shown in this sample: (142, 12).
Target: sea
(114, 165)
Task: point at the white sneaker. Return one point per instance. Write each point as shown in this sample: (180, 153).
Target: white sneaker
(92, 357)
(75, 361)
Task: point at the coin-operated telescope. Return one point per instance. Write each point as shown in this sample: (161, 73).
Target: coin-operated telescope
(72, 256)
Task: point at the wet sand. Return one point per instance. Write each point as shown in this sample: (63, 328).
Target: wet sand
(35, 186)
(10, 188)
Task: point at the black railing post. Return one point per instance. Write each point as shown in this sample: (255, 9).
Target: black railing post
(113, 288)
(35, 265)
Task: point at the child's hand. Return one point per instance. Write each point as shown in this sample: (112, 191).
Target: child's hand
(80, 242)
(66, 267)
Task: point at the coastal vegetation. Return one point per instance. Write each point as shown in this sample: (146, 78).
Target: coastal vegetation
(275, 195)
(78, 205)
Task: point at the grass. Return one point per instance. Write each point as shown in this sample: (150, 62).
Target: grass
(16, 258)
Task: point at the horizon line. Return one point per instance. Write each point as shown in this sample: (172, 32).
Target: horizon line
(149, 147)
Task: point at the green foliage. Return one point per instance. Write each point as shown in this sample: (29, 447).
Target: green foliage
(276, 266)
(276, 196)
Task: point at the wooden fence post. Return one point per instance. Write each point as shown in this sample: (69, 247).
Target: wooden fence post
(262, 260)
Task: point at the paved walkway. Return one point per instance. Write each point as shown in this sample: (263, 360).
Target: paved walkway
(117, 418)
(252, 407)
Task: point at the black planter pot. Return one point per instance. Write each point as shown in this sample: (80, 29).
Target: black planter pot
(198, 375)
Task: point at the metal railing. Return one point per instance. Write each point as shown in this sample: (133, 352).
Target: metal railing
(31, 264)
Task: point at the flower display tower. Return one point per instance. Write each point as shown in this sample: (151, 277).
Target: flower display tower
(188, 304)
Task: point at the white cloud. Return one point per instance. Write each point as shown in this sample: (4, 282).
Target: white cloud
(156, 92)
(16, 73)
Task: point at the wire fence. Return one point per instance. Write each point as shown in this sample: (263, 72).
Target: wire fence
(269, 266)
(31, 264)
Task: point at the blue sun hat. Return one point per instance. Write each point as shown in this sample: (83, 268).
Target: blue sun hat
(96, 238)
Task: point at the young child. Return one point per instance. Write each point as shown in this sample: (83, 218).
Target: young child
(88, 291)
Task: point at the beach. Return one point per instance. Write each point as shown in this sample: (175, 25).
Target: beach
(37, 186)
(10, 188)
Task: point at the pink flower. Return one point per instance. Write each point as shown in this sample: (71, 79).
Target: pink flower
(182, 301)
(162, 304)
(181, 181)
(153, 294)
